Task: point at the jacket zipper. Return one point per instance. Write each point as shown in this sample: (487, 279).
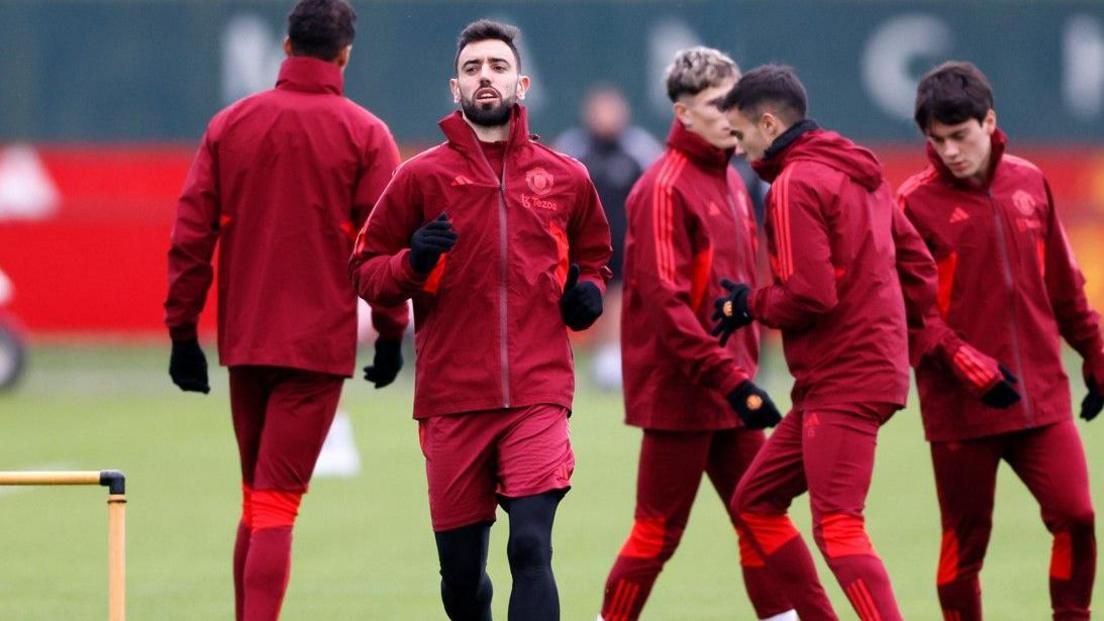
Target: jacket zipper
(1010, 283)
(503, 300)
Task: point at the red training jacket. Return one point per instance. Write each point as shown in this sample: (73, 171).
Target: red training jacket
(487, 319)
(836, 294)
(690, 224)
(284, 178)
(1009, 290)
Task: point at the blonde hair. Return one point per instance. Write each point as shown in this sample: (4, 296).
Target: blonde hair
(695, 69)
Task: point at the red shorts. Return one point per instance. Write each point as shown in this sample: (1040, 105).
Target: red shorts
(474, 458)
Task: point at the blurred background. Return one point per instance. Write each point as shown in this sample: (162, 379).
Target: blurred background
(102, 103)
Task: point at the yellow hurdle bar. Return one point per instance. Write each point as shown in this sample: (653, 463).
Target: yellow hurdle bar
(115, 481)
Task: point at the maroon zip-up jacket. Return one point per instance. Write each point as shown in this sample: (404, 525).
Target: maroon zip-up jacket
(1009, 291)
(283, 178)
(487, 318)
(690, 225)
(836, 294)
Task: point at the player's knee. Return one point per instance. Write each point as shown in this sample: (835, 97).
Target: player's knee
(842, 535)
(529, 548)
(273, 508)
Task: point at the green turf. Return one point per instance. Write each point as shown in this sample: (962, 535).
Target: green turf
(363, 547)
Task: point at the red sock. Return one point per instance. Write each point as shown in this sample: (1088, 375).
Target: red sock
(1072, 571)
(267, 570)
(774, 541)
(268, 562)
(851, 557)
(241, 550)
(625, 596)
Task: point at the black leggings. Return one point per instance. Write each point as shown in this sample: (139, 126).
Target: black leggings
(465, 587)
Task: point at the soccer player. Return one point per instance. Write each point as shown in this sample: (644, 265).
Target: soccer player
(836, 297)
(990, 374)
(283, 179)
(502, 245)
(690, 225)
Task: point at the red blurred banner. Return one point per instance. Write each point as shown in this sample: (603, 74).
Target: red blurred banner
(84, 230)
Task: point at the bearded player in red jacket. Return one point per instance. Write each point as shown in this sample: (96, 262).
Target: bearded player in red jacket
(832, 228)
(690, 226)
(284, 179)
(502, 244)
(989, 370)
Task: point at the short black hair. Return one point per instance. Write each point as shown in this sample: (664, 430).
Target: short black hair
(484, 29)
(952, 93)
(321, 28)
(769, 86)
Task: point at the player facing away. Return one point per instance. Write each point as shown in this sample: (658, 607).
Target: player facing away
(989, 365)
(281, 180)
(690, 226)
(836, 297)
(502, 245)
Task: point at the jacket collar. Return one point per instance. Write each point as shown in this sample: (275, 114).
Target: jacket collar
(697, 148)
(999, 142)
(773, 160)
(461, 135)
(310, 75)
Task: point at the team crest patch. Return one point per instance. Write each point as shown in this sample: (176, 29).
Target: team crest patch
(539, 180)
(1024, 202)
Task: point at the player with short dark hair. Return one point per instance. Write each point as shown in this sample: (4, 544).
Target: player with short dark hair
(282, 181)
(988, 361)
(836, 296)
(691, 227)
(502, 244)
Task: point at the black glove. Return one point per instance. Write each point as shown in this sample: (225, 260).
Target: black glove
(731, 311)
(754, 406)
(386, 363)
(581, 302)
(1093, 402)
(429, 241)
(188, 366)
(1003, 394)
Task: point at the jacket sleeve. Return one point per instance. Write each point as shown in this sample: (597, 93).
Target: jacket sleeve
(804, 287)
(589, 236)
(663, 267)
(381, 158)
(929, 335)
(194, 236)
(380, 268)
(1078, 323)
(918, 275)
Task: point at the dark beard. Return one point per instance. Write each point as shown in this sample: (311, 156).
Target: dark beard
(495, 116)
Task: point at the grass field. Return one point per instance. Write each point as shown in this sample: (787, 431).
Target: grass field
(363, 547)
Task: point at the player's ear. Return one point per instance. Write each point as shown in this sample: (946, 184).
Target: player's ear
(523, 84)
(989, 123)
(342, 59)
(287, 47)
(682, 113)
(454, 86)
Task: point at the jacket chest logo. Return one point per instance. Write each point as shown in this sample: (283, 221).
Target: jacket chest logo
(1024, 203)
(714, 210)
(539, 181)
(959, 215)
(1029, 217)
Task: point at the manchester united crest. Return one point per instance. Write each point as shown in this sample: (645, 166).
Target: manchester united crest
(539, 181)
(1024, 202)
